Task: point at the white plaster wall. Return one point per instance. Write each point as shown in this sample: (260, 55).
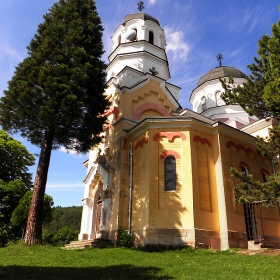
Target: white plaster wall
(140, 62)
(143, 28)
(137, 47)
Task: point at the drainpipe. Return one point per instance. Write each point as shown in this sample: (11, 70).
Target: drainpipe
(130, 187)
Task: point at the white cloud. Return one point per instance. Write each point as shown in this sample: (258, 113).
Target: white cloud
(9, 52)
(176, 44)
(64, 185)
(71, 152)
(152, 2)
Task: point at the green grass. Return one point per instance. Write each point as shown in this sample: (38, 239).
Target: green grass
(44, 262)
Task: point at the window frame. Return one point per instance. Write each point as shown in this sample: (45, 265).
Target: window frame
(168, 172)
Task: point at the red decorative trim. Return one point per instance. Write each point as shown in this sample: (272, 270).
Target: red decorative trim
(241, 147)
(243, 163)
(148, 107)
(263, 170)
(169, 153)
(140, 143)
(203, 141)
(112, 110)
(170, 136)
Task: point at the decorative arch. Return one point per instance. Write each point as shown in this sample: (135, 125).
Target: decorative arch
(244, 164)
(170, 136)
(169, 153)
(240, 147)
(141, 142)
(203, 141)
(264, 171)
(148, 107)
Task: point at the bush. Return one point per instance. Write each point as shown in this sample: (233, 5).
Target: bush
(65, 235)
(5, 232)
(124, 239)
(47, 237)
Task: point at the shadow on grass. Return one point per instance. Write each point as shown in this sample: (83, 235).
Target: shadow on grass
(98, 273)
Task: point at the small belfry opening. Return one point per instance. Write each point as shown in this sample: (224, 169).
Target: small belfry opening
(151, 37)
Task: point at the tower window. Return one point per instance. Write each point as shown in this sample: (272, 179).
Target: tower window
(119, 39)
(170, 173)
(203, 103)
(219, 100)
(244, 170)
(151, 37)
(135, 37)
(265, 180)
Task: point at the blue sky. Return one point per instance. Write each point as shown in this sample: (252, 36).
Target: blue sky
(196, 31)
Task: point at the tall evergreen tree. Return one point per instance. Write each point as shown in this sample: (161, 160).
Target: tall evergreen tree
(260, 96)
(55, 97)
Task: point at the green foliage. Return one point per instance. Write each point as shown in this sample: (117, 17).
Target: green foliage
(65, 235)
(14, 160)
(10, 195)
(250, 190)
(15, 179)
(5, 234)
(55, 97)
(124, 239)
(20, 214)
(64, 217)
(47, 237)
(62, 77)
(260, 96)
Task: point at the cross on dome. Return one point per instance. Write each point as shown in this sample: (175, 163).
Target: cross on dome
(140, 5)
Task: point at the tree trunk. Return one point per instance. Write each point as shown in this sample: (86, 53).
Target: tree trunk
(33, 233)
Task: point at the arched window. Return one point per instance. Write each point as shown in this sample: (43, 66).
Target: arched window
(135, 37)
(203, 103)
(244, 170)
(170, 173)
(219, 100)
(265, 180)
(119, 39)
(151, 37)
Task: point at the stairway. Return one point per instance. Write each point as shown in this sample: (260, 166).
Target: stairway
(259, 246)
(94, 243)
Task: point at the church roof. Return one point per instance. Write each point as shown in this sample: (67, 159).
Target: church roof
(222, 71)
(140, 16)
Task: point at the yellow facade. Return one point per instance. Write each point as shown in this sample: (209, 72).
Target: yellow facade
(146, 126)
(204, 152)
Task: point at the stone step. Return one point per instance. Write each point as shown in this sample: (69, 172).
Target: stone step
(267, 246)
(96, 243)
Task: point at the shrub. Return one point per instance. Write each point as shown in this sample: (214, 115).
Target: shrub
(65, 235)
(124, 239)
(47, 237)
(5, 231)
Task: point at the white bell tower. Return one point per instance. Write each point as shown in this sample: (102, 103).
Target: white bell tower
(138, 43)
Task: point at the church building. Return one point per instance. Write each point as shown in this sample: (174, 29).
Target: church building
(162, 172)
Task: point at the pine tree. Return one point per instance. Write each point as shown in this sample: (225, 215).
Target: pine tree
(260, 96)
(55, 97)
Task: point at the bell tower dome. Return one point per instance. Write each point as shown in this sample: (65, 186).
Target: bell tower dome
(139, 43)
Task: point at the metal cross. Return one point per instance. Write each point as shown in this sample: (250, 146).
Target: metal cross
(220, 58)
(140, 5)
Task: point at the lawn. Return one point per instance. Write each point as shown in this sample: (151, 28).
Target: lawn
(45, 262)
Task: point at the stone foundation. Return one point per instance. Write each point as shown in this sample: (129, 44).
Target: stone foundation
(192, 237)
(272, 241)
(178, 237)
(207, 239)
(237, 239)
